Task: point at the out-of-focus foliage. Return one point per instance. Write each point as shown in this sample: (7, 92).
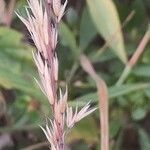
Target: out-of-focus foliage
(87, 28)
(16, 63)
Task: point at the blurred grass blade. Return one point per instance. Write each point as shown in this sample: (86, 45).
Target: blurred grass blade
(142, 71)
(13, 49)
(10, 80)
(86, 25)
(102, 93)
(67, 37)
(15, 62)
(105, 18)
(7, 37)
(113, 93)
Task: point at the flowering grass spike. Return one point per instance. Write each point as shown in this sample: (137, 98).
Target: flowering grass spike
(43, 17)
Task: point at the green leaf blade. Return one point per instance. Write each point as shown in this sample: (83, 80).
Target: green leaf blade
(106, 20)
(114, 92)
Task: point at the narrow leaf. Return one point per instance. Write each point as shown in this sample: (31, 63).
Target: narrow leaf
(86, 25)
(113, 91)
(67, 37)
(106, 20)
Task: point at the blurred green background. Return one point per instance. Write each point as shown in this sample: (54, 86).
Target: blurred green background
(91, 27)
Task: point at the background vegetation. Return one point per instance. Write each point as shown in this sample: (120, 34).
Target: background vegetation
(109, 34)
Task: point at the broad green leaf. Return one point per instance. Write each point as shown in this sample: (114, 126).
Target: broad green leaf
(22, 53)
(11, 43)
(20, 59)
(113, 93)
(106, 20)
(6, 62)
(67, 37)
(15, 59)
(11, 80)
(10, 37)
(86, 25)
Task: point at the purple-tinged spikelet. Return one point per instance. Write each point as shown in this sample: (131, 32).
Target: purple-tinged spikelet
(43, 18)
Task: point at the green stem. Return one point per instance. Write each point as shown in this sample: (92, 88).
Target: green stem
(124, 75)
